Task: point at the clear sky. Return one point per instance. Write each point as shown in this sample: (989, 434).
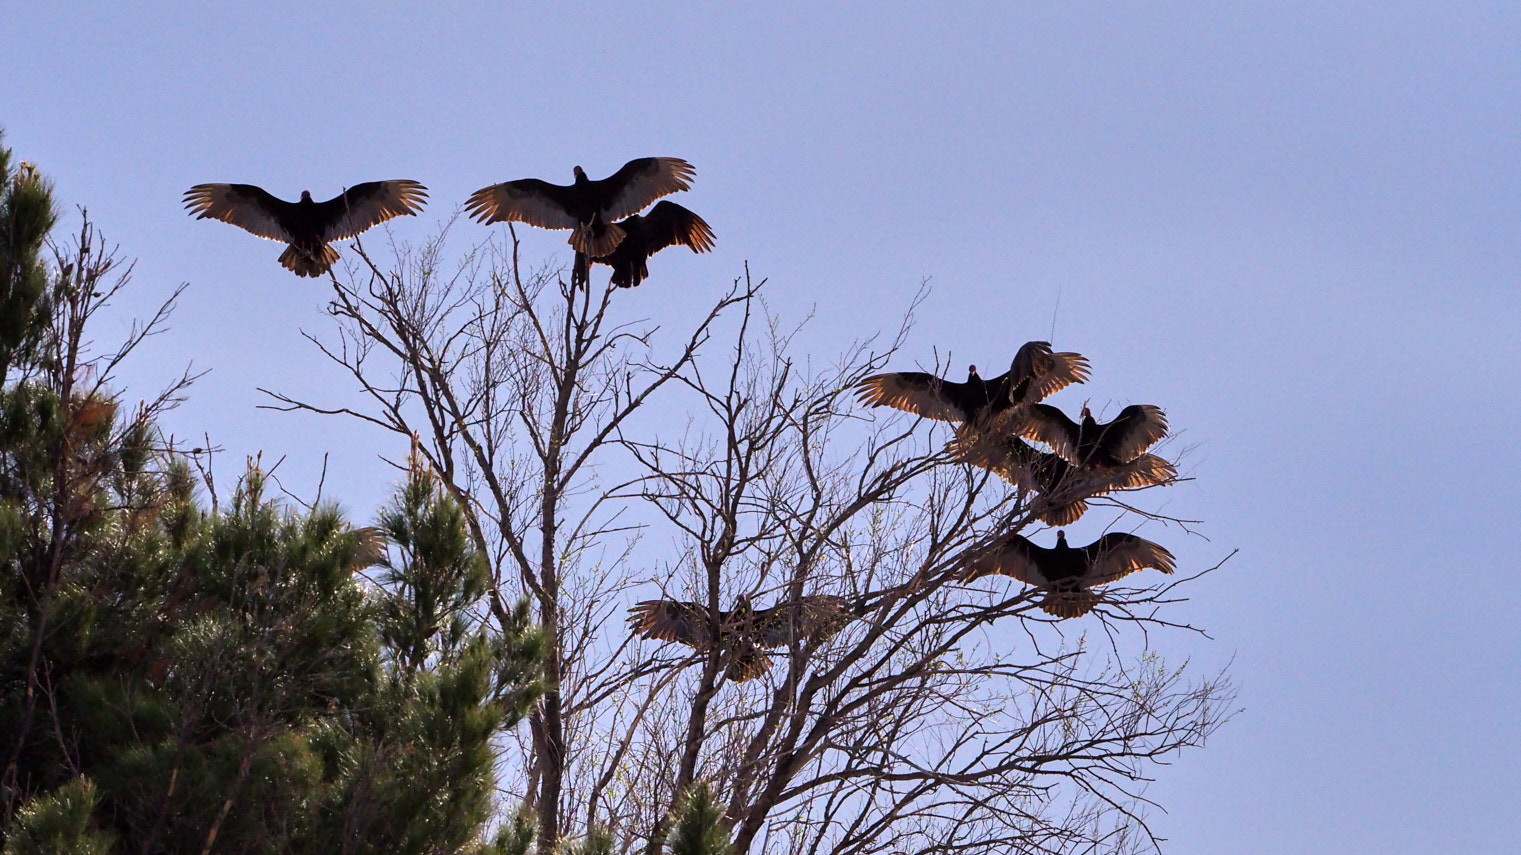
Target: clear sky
(1295, 227)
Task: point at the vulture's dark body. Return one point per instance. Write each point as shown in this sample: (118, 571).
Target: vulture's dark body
(307, 225)
(667, 224)
(1089, 442)
(1067, 572)
(1035, 373)
(590, 208)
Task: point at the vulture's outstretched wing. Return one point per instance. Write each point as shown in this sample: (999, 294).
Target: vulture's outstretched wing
(1065, 369)
(916, 392)
(1118, 554)
(669, 224)
(1035, 470)
(668, 620)
(367, 205)
(812, 617)
(243, 205)
(1047, 424)
(1011, 555)
(640, 182)
(1009, 457)
(527, 200)
(1137, 428)
(1147, 470)
(1037, 373)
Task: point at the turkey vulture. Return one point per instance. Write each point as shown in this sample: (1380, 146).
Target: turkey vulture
(1063, 487)
(306, 225)
(589, 207)
(1089, 443)
(744, 631)
(1069, 572)
(667, 224)
(1035, 373)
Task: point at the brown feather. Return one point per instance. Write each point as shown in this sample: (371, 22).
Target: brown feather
(910, 391)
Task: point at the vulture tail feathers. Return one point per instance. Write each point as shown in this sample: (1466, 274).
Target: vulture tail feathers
(631, 276)
(746, 664)
(303, 263)
(1071, 603)
(1064, 514)
(597, 238)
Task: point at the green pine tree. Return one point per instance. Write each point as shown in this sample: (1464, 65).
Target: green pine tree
(699, 825)
(177, 678)
(27, 215)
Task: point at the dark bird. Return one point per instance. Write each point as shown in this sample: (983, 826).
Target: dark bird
(591, 208)
(1035, 374)
(306, 225)
(1090, 443)
(667, 224)
(744, 633)
(1062, 487)
(1067, 573)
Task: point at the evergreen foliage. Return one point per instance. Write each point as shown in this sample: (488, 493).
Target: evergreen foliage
(178, 678)
(700, 827)
(27, 214)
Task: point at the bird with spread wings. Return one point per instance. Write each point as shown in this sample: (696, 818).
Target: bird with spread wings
(745, 633)
(1035, 373)
(307, 225)
(591, 209)
(1067, 572)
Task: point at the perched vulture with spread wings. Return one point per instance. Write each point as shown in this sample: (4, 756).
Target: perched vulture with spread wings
(306, 225)
(1063, 487)
(667, 224)
(1089, 443)
(590, 208)
(1035, 374)
(743, 633)
(1067, 572)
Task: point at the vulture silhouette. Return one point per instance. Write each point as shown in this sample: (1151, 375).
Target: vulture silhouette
(1063, 488)
(744, 633)
(1089, 442)
(306, 225)
(590, 208)
(667, 224)
(1035, 374)
(1068, 572)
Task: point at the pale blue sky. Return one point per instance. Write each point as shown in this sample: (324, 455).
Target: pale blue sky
(1297, 228)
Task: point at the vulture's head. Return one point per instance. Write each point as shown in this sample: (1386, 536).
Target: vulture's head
(306, 196)
(1061, 539)
(580, 175)
(971, 373)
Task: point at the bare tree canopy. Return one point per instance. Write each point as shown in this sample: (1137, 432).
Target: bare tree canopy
(883, 702)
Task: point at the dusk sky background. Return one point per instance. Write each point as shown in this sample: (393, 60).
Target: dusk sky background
(1295, 227)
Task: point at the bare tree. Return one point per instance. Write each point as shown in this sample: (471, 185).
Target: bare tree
(945, 717)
